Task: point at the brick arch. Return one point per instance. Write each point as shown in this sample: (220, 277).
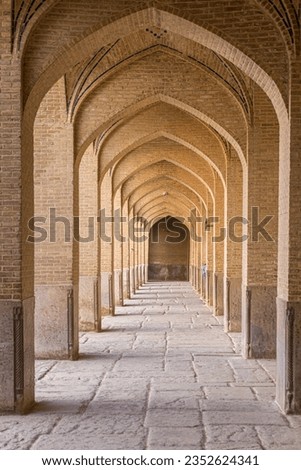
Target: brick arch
(148, 51)
(150, 173)
(148, 153)
(173, 138)
(142, 19)
(160, 184)
(270, 8)
(172, 121)
(176, 188)
(159, 74)
(162, 200)
(156, 98)
(166, 166)
(171, 209)
(160, 214)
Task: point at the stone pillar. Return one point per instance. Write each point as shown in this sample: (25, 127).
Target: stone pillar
(234, 241)
(131, 254)
(210, 254)
(199, 245)
(125, 254)
(260, 250)
(88, 243)
(106, 241)
(117, 254)
(288, 390)
(204, 253)
(194, 244)
(218, 246)
(16, 188)
(53, 177)
(146, 253)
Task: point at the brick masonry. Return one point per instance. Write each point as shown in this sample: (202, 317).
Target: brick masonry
(153, 109)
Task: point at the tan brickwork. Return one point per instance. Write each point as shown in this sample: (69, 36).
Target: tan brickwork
(53, 175)
(156, 108)
(88, 196)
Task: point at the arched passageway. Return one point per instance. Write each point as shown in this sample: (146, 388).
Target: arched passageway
(169, 242)
(162, 375)
(103, 117)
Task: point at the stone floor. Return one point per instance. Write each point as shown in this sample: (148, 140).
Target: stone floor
(163, 375)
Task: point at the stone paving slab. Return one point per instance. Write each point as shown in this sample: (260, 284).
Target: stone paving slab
(243, 418)
(176, 438)
(174, 417)
(229, 393)
(226, 437)
(173, 399)
(163, 375)
(92, 441)
(265, 393)
(273, 437)
(20, 432)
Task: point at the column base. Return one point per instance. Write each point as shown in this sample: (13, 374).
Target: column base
(259, 322)
(288, 387)
(87, 301)
(126, 284)
(117, 289)
(219, 293)
(106, 294)
(209, 288)
(232, 304)
(17, 355)
(56, 322)
(132, 281)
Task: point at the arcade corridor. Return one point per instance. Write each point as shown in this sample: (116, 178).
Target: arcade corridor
(116, 116)
(163, 375)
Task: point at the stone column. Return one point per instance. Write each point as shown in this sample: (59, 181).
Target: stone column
(131, 245)
(210, 254)
(88, 244)
(54, 186)
(16, 187)
(204, 253)
(219, 240)
(146, 252)
(233, 245)
(199, 244)
(288, 387)
(125, 253)
(116, 247)
(260, 250)
(106, 241)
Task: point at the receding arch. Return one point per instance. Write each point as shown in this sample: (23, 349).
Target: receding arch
(179, 159)
(156, 185)
(193, 131)
(167, 168)
(162, 134)
(149, 101)
(152, 195)
(150, 50)
(165, 263)
(165, 200)
(128, 192)
(178, 25)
